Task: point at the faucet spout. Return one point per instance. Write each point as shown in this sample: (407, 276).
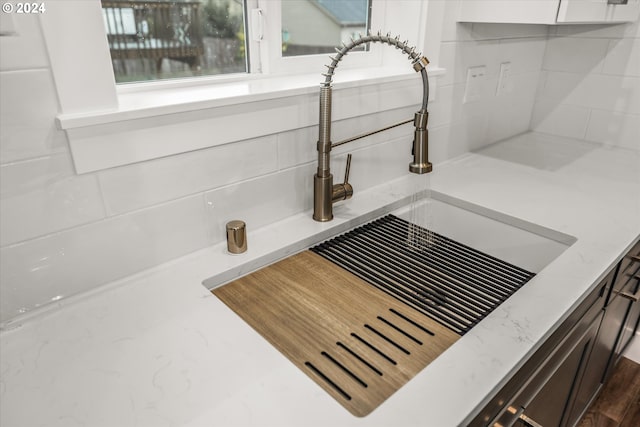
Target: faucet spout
(420, 149)
(325, 192)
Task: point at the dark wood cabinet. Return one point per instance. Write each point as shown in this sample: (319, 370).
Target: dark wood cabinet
(557, 403)
(547, 385)
(558, 383)
(630, 326)
(623, 308)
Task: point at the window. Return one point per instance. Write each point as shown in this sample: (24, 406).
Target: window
(110, 125)
(317, 26)
(150, 40)
(300, 34)
(77, 42)
(164, 39)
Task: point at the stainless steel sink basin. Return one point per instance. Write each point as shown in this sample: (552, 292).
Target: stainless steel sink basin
(526, 245)
(449, 263)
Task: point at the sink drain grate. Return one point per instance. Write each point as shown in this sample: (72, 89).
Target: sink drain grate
(451, 283)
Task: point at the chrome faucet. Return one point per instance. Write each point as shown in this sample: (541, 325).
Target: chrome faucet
(325, 193)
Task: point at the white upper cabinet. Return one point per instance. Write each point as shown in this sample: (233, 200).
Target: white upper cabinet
(549, 11)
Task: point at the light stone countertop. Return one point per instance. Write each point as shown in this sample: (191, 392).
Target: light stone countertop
(157, 349)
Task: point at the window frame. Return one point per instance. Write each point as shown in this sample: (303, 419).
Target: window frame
(90, 100)
(273, 62)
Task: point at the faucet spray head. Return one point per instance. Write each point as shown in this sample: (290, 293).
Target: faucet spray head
(420, 164)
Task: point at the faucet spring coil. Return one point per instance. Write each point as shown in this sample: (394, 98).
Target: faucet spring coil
(370, 38)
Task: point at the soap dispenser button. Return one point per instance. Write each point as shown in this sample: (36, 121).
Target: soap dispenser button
(236, 237)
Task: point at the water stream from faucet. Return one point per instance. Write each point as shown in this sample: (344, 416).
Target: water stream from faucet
(419, 234)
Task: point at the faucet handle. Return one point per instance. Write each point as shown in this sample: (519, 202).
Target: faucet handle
(346, 172)
(343, 191)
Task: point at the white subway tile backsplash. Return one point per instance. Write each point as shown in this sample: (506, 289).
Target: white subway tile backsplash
(43, 270)
(38, 197)
(592, 88)
(369, 123)
(300, 146)
(369, 100)
(456, 127)
(446, 142)
(574, 55)
(297, 146)
(457, 57)
(616, 31)
(28, 107)
(558, 86)
(623, 58)
(264, 200)
(542, 82)
(131, 187)
(116, 144)
(606, 92)
(614, 93)
(615, 129)
(524, 54)
(559, 119)
(24, 49)
(450, 107)
(261, 201)
(510, 113)
(452, 30)
(375, 165)
(56, 238)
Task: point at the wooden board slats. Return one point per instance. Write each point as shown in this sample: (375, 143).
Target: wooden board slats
(355, 341)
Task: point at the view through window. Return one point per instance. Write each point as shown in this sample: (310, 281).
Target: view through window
(150, 40)
(318, 26)
(163, 39)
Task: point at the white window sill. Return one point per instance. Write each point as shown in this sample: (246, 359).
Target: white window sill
(140, 102)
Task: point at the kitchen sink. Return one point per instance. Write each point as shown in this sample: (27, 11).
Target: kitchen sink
(521, 243)
(364, 312)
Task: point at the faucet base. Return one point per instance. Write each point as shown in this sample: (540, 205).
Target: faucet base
(322, 198)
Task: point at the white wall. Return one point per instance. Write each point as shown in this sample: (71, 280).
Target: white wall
(62, 234)
(590, 86)
(458, 127)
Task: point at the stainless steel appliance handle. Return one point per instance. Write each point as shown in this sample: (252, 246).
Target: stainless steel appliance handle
(508, 418)
(518, 415)
(628, 295)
